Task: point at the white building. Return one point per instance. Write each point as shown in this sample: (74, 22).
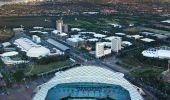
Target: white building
(166, 21)
(75, 41)
(116, 44)
(6, 44)
(82, 81)
(36, 39)
(157, 53)
(31, 48)
(18, 30)
(76, 29)
(147, 40)
(59, 25)
(9, 54)
(99, 50)
(107, 51)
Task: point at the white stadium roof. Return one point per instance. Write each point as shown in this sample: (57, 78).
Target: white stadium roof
(31, 48)
(163, 54)
(87, 74)
(166, 21)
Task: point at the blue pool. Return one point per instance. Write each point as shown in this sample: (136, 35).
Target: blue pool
(87, 90)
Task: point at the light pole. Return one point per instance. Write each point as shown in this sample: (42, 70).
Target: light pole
(168, 64)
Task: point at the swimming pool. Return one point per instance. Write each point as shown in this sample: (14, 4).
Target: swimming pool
(89, 90)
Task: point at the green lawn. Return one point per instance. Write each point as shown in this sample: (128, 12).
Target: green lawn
(37, 69)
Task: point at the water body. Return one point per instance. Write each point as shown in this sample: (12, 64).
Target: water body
(11, 2)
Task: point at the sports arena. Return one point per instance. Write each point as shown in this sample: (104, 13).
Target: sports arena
(162, 53)
(87, 83)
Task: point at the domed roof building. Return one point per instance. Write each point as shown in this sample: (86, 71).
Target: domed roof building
(87, 82)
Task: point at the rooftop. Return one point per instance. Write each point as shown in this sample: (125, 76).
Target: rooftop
(90, 74)
(58, 45)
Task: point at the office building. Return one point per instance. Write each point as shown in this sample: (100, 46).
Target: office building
(59, 25)
(65, 28)
(99, 50)
(116, 44)
(36, 39)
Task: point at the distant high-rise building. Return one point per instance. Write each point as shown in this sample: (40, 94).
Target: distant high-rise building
(116, 44)
(99, 50)
(59, 25)
(65, 28)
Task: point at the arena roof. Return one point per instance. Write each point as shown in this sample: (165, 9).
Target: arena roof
(87, 74)
(166, 21)
(163, 54)
(31, 48)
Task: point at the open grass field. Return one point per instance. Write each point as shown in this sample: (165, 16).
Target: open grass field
(37, 69)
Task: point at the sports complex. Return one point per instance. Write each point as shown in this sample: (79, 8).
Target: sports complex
(87, 83)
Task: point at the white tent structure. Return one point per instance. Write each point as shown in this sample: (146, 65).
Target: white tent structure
(92, 74)
(31, 48)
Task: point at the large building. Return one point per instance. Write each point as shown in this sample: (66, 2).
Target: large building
(59, 25)
(31, 48)
(99, 50)
(75, 42)
(65, 28)
(157, 53)
(116, 44)
(36, 39)
(87, 83)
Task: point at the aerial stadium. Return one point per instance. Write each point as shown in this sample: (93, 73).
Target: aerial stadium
(87, 83)
(162, 53)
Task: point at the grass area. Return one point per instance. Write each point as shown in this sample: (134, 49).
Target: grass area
(140, 29)
(95, 24)
(45, 68)
(146, 71)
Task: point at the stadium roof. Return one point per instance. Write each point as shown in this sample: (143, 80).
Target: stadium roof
(166, 21)
(163, 54)
(88, 74)
(58, 45)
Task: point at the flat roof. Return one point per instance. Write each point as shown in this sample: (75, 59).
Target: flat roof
(8, 54)
(58, 45)
(147, 40)
(99, 35)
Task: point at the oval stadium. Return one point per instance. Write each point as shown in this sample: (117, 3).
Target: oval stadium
(87, 83)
